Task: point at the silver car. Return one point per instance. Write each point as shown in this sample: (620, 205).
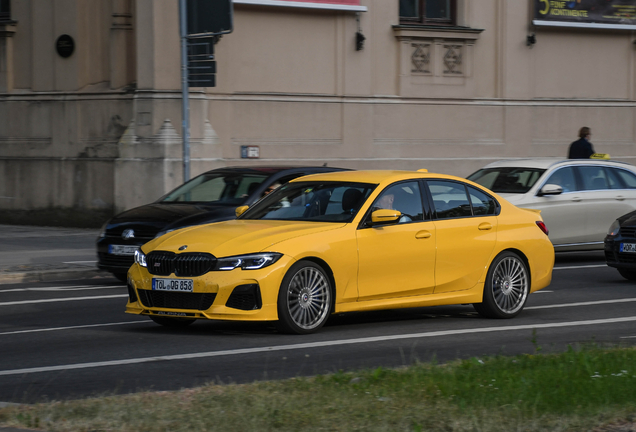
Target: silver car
(578, 198)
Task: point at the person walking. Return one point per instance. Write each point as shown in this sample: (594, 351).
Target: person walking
(582, 148)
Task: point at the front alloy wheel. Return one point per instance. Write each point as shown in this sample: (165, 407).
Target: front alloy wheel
(304, 299)
(506, 289)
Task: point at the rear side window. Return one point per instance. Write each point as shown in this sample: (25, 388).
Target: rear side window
(449, 199)
(483, 205)
(628, 178)
(593, 178)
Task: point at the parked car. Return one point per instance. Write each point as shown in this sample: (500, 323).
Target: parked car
(578, 198)
(343, 242)
(620, 246)
(209, 197)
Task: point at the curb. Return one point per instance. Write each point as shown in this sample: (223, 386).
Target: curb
(50, 275)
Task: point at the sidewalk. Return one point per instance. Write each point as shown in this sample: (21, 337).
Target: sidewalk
(33, 254)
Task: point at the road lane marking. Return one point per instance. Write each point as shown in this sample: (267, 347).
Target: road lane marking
(79, 262)
(590, 303)
(69, 288)
(583, 266)
(72, 327)
(627, 337)
(23, 302)
(310, 345)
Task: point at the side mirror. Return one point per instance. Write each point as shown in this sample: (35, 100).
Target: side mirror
(550, 189)
(384, 216)
(240, 210)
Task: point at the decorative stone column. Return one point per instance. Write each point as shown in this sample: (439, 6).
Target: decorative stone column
(7, 30)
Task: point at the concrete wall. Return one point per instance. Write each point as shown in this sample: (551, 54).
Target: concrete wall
(291, 81)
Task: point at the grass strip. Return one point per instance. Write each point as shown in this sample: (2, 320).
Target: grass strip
(578, 390)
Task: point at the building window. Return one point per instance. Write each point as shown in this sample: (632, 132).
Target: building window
(5, 10)
(429, 12)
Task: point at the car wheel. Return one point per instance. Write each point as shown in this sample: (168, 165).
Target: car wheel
(172, 322)
(123, 277)
(628, 274)
(304, 299)
(506, 289)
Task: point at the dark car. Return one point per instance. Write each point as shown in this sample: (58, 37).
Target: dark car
(210, 197)
(620, 246)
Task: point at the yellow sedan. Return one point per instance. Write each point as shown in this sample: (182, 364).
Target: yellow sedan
(344, 242)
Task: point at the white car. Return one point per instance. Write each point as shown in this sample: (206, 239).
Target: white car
(578, 198)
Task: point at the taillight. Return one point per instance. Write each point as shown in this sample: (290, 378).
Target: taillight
(542, 226)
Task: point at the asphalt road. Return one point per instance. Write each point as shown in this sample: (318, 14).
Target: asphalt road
(72, 339)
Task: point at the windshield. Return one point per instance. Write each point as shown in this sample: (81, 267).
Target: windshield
(217, 188)
(507, 179)
(312, 201)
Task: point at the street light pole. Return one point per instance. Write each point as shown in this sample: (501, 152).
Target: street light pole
(185, 95)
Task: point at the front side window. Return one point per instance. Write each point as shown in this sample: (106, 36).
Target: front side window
(449, 199)
(431, 12)
(563, 177)
(312, 202)
(404, 197)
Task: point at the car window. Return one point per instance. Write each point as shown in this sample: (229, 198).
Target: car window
(593, 177)
(449, 199)
(483, 204)
(312, 201)
(404, 197)
(563, 177)
(628, 178)
(226, 188)
(615, 181)
(507, 179)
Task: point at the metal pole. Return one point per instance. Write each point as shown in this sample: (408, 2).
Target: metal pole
(185, 96)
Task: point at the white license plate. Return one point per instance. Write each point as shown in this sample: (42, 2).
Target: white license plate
(181, 285)
(628, 247)
(122, 249)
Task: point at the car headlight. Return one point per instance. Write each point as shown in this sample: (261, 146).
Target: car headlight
(248, 262)
(614, 228)
(140, 258)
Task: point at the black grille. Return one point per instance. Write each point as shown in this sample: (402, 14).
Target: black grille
(609, 256)
(115, 260)
(162, 263)
(245, 297)
(176, 300)
(142, 232)
(628, 232)
(627, 257)
(131, 293)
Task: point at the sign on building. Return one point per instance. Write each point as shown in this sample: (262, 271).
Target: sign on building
(611, 14)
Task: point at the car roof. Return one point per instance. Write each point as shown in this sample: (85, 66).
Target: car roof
(548, 162)
(269, 170)
(373, 176)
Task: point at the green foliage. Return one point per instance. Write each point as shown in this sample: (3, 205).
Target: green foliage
(572, 391)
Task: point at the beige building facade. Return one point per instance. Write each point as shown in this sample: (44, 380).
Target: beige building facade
(98, 131)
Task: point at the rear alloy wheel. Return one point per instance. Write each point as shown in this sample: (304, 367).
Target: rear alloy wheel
(172, 322)
(506, 289)
(628, 274)
(304, 299)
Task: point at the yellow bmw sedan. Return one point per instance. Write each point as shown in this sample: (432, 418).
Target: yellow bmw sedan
(343, 242)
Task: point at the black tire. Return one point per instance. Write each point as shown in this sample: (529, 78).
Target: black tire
(123, 277)
(628, 274)
(304, 299)
(506, 289)
(172, 322)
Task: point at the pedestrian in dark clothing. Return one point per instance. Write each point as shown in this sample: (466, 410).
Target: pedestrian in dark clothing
(582, 148)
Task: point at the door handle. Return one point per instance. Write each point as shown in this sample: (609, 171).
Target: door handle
(422, 234)
(485, 226)
(620, 197)
(576, 199)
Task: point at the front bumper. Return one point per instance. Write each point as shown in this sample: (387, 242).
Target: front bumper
(614, 257)
(243, 295)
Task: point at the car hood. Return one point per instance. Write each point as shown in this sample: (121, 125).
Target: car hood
(166, 213)
(236, 237)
